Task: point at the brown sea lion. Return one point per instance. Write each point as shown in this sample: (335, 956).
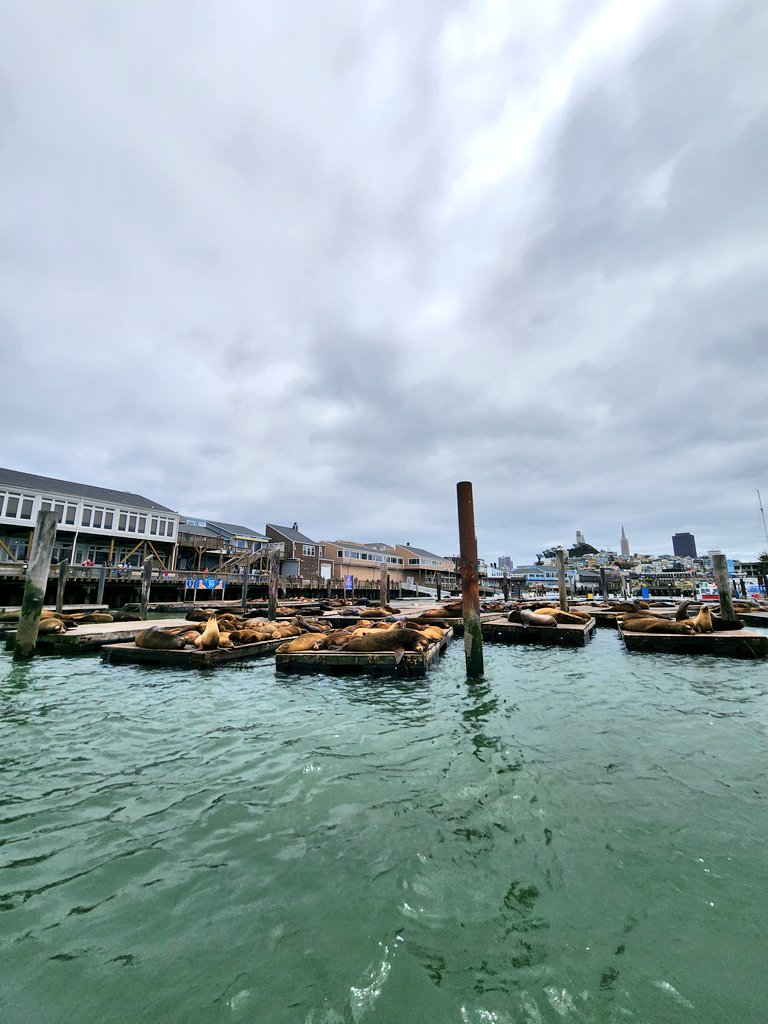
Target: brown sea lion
(569, 618)
(516, 616)
(159, 638)
(121, 616)
(653, 624)
(702, 623)
(388, 640)
(208, 640)
(50, 625)
(306, 642)
(530, 618)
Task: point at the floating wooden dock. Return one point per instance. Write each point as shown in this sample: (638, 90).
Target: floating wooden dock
(759, 619)
(724, 644)
(499, 630)
(130, 654)
(84, 639)
(412, 665)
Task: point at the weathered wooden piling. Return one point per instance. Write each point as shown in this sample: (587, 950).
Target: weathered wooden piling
(561, 579)
(603, 584)
(384, 585)
(102, 584)
(505, 587)
(63, 571)
(146, 582)
(723, 584)
(274, 580)
(439, 585)
(470, 586)
(244, 595)
(35, 584)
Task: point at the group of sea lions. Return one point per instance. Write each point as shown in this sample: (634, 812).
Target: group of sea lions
(59, 622)
(379, 630)
(643, 620)
(209, 630)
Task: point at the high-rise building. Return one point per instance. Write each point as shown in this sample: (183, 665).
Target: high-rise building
(505, 562)
(684, 545)
(579, 537)
(624, 544)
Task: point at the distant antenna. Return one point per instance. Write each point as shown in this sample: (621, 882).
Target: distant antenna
(762, 516)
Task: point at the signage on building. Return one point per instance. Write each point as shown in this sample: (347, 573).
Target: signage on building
(207, 583)
(349, 582)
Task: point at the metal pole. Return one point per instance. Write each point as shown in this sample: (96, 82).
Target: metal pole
(63, 569)
(470, 587)
(720, 568)
(146, 582)
(38, 568)
(561, 579)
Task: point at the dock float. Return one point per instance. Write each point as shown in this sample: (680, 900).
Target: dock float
(724, 644)
(499, 630)
(759, 619)
(130, 654)
(92, 637)
(412, 665)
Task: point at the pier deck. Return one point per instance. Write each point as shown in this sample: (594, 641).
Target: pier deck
(499, 630)
(725, 644)
(84, 639)
(130, 654)
(412, 665)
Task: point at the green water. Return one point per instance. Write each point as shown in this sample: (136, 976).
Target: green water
(579, 838)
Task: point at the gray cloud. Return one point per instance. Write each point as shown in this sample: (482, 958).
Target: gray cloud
(318, 264)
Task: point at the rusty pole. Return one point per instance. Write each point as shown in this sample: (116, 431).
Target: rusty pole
(561, 579)
(470, 588)
(36, 581)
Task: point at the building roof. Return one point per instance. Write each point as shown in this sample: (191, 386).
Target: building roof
(290, 534)
(421, 551)
(243, 532)
(50, 485)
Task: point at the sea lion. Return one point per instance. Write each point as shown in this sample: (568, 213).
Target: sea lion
(703, 621)
(121, 616)
(530, 618)
(50, 625)
(388, 640)
(653, 624)
(569, 618)
(159, 638)
(199, 614)
(306, 642)
(91, 618)
(516, 616)
(208, 640)
(682, 610)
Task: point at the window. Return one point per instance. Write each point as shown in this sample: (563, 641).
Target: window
(123, 521)
(97, 514)
(321, 550)
(413, 561)
(59, 510)
(153, 526)
(308, 549)
(86, 520)
(132, 524)
(339, 554)
(46, 506)
(142, 524)
(70, 517)
(13, 505)
(161, 527)
(26, 508)
(108, 520)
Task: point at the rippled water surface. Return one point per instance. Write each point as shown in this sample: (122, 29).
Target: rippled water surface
(580, 837)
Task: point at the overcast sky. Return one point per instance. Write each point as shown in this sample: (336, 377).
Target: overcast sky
(319, 261)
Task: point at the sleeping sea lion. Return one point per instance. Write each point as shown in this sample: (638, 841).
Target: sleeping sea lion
(530, 618)
(388, 640)
(159, 638)
(306, 642)
(653, 624)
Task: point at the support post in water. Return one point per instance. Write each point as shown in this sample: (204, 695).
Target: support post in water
(38, 567)
(102, 583)
(723, 584)
(63, 570)
(384, 585)
(146, 581)
(505, 587)
(470, 586)
(244, 595)
(439, 585)
(603, 584)
(274, 579)
(561, 580)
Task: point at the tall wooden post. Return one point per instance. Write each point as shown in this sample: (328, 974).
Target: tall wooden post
(723, 584)
(470, 586)
(561, 579)
(63, 570)
(603, 583)
(102, 583)
(38, 568)
(384, 585)
(274, 579)
(439, 585)
(244, 595)
(505, 586)
(146, 582)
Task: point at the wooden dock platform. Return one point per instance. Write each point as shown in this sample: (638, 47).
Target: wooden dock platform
(499, 630)
(725, 644)
(759, 619)
(130, 654)
(84, 639)
(412, 665)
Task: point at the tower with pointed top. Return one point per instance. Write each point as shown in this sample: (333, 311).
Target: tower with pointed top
(624, 544)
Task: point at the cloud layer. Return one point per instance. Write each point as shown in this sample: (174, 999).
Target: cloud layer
(320, 262)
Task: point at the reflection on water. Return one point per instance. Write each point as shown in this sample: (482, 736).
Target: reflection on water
(577, 836)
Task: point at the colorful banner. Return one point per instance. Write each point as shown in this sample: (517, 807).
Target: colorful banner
(206, 583)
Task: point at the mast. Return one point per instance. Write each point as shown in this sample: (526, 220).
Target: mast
(762, 516)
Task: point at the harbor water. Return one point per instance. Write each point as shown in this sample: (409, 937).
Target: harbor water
(578, 837)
